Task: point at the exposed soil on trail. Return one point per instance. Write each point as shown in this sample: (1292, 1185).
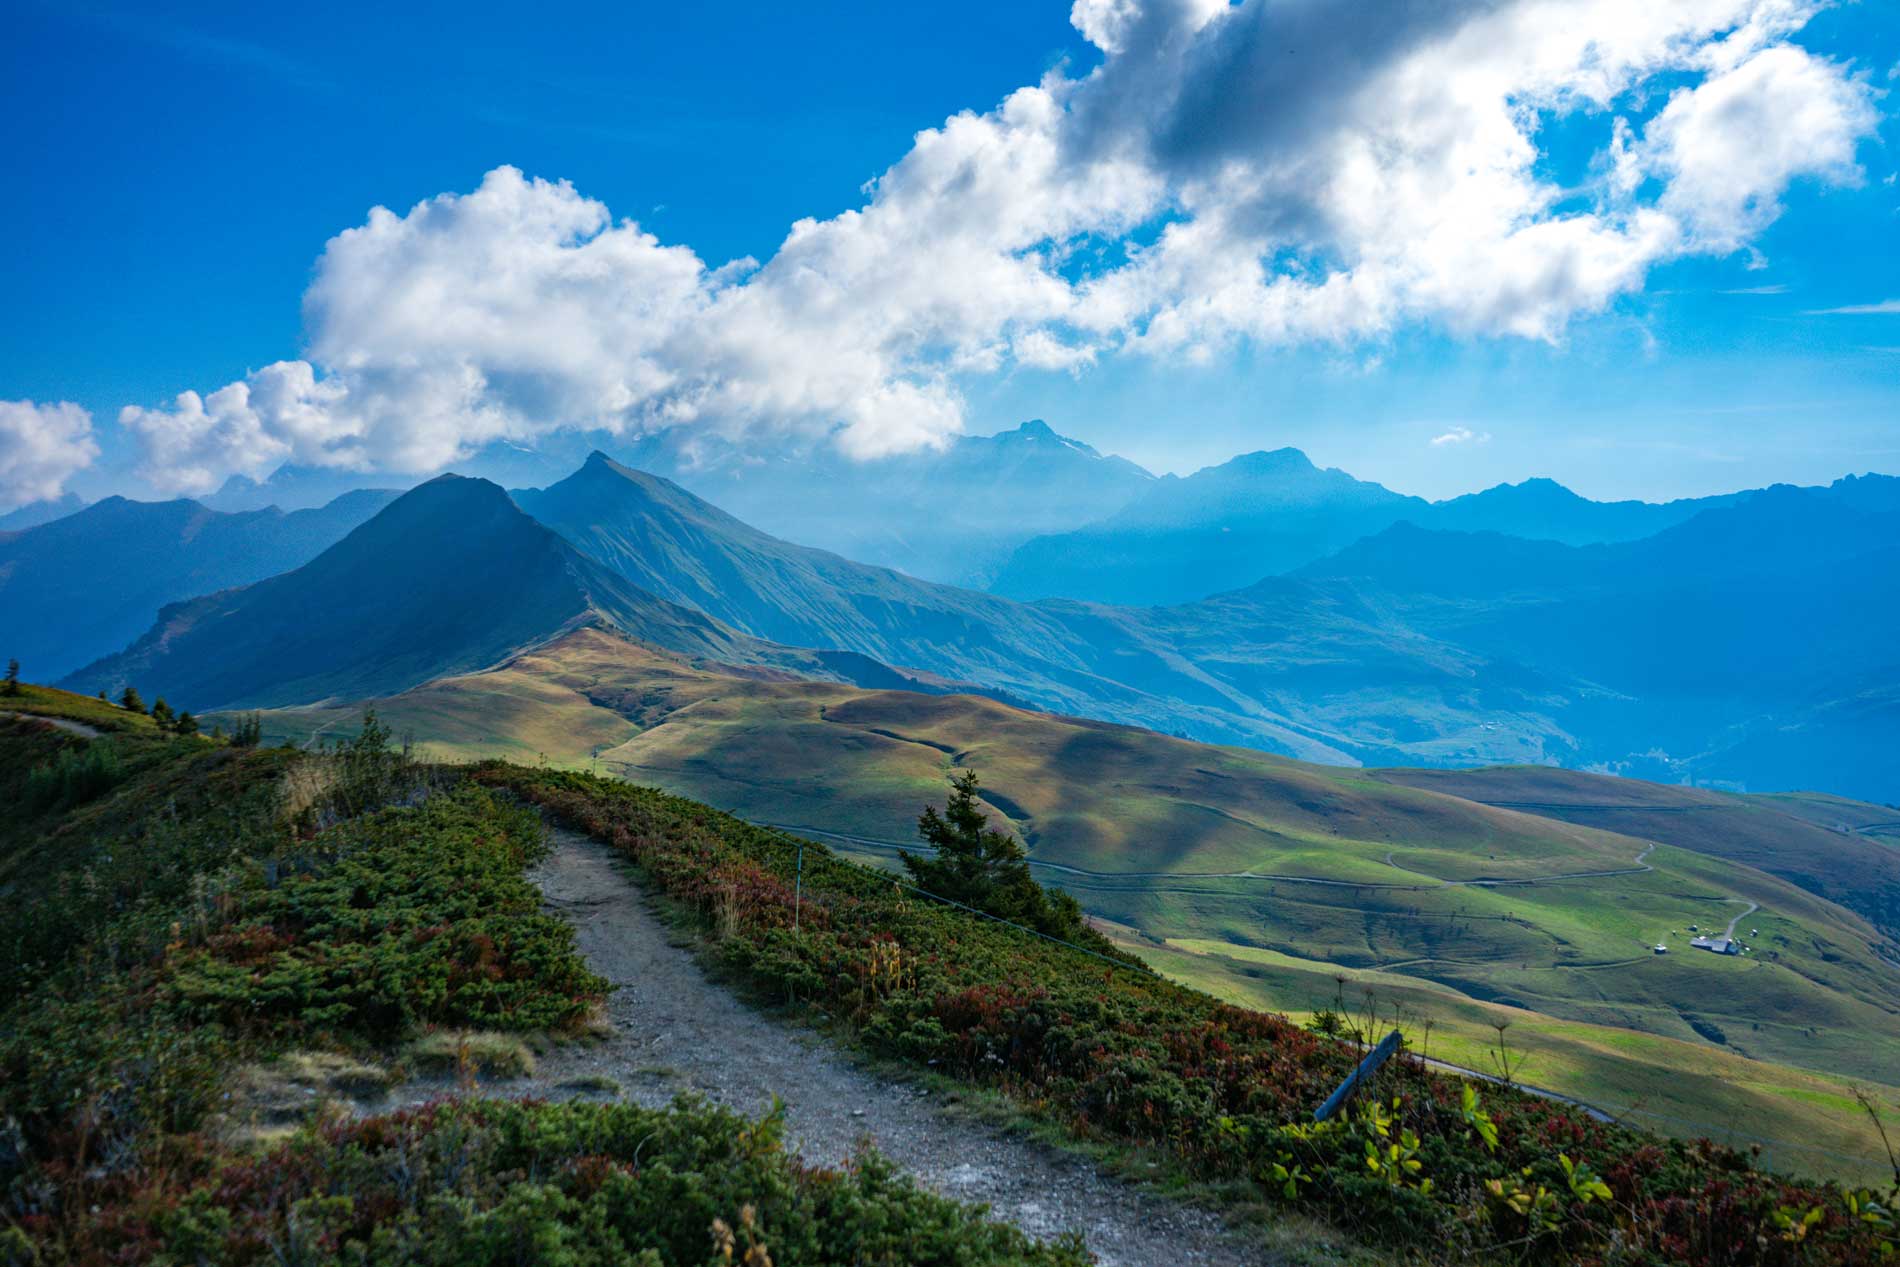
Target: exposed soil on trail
(674, 1030)
(60, 723)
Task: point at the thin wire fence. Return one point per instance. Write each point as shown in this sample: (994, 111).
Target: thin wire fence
(790, 835)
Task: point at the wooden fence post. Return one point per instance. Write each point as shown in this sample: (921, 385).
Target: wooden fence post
(1367, 1067)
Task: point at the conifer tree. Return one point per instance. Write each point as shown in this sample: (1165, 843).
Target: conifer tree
(131, 701)
(985, 868)
(186, 724)
(974, 863)
(13, 679)
(162, 714)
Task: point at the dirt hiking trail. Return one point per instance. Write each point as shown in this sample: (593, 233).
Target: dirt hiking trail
(675, 1030)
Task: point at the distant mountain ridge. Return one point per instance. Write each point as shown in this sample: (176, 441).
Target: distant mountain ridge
(87, 584)
(1218, 529)
(1762, 625)
(1265, 514)
(33, 514)
(1240, 668)
(1755, 631)
(951, 515)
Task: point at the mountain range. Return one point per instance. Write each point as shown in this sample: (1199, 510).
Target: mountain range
(449, 578)
(1750, 633)
(85, 585)
(1263, 514)
(952, 515)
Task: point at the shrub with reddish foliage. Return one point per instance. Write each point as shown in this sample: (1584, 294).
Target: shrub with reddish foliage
(1121, 1055)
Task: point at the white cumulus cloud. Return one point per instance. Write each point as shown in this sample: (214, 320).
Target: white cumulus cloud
(41, 447)
(1268, 172)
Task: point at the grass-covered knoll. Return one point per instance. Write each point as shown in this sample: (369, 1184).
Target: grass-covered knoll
(220, 920)
(1845, 850)
(1120, 1056)
(1082, 793)
(49, 701)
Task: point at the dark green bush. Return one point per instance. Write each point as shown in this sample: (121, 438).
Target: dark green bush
(578, 1185)
(75, 776)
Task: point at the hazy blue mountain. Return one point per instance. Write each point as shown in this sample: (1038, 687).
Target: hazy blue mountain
(1841, 740)
(1544, 510)
(1264, 514)
(33, 514)
(1278, 670)
(952, 515)
(85, 585)
(1875, 494)
(297, 488)
(450, 577)
(1769, 617)
(1218, 529)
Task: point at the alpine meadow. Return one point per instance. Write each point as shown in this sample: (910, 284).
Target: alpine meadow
(1156, 633)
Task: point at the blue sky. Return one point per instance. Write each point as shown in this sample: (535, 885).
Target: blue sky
(177, 171)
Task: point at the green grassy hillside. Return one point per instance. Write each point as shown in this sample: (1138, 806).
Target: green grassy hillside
(1847, 851)
(261, 900)
(1193, 845)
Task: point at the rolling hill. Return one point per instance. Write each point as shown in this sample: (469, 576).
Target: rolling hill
(1248, 871)
(1831, 846)
(85, 585)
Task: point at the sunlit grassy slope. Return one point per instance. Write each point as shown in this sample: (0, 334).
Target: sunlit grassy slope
(1798, 1117)
(47, 701)
(1207, 847)
(1845, 850)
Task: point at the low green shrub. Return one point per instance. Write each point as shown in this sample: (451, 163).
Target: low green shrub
(195, 930)
(494, 1182)
(404, 918)
(75, 776)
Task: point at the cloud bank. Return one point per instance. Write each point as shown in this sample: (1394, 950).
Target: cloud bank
(1265, 172)
(41, 447)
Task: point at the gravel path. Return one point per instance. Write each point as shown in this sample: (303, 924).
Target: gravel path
(62, 723)
(675, 1030)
